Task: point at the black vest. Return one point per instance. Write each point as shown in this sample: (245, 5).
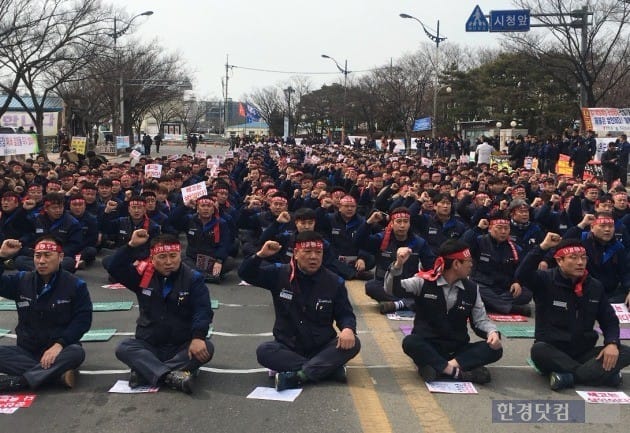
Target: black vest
(433, 321)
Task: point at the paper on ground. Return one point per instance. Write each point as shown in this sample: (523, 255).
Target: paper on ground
(401, 315)
(622, 312)
(449, 387)
(616, 397)
(122, 387)
(264, 393)
(9, 410)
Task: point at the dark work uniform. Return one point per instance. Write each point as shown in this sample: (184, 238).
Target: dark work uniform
(435, 231)
(565, 338)
(57, 312)
(67, 229)
(495, 265)
(173, 311)
(89, 237)
(306, 307)
(526, 236)
(440, 327)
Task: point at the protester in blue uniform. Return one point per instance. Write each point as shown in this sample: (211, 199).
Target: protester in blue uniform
(308, 299)
(171, 333)
(54, 311)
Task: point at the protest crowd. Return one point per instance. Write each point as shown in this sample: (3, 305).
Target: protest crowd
(429, 231)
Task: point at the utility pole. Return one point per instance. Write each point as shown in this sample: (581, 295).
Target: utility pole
(225, 100)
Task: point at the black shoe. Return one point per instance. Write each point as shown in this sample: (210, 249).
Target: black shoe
(386, 307)
(428, 373)
(179, 381)
(214, 279)
(12, 383)
(615, 381)
(136, 380)
(287, 380)
(479, 375)
(523, 310)
(339, 375)
(558, 381)
(364, 276)
(69, 379)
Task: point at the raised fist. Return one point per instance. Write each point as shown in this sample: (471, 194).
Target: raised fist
(269, 249)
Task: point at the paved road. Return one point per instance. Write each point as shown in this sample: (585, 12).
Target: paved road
(384, 393)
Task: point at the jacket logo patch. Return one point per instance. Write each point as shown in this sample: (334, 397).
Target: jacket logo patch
(560, 304)
(286, 294)
(147, 292)
(63, 301)
(430, 296)
(23, 304)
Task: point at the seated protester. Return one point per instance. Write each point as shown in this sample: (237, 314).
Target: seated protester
(53, 185)
(256, 220)
(171, 336)
(89, 232)
(118, 229)
(439, 226)
(13, 224)
(384, 245)
(307, 299)
(568, 302)
(523, 232)
(153, 213)
(496, 257)
(208, 235)
(620, 210)
(53, 221)
(445, 300)
(340, 228)
(584, 201)
(54, 311)
(89, 192)
(228, 212)
(104, 189)
(35, 192)
(607, 257)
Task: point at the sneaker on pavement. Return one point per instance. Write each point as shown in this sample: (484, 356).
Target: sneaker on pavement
(479, 375)
(386, 307)
(12, 383)
(136, 380)
(179, 380)
(428, 373)
(287, 380)
(68, 379)
(339, 375)
(558, 381)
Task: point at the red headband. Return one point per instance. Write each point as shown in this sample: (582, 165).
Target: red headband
(34, 187)
(137, 203)
(11, 198)
(459, 255)
(499, 221)
(620, 193)
(400, 215)
(348, 199)
(48, 246)
(603, 220)
(279, 199)
(562, 252)
(205, 201)
(318, 245)
(165, 248)
(77, 200)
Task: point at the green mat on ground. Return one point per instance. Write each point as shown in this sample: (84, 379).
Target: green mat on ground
(112, 306)
(532, 365)
(214, 303)
(98, 335)
(7, 306)
(3, 331)
(516, 331)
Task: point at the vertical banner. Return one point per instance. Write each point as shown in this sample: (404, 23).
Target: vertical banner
(286, 127)
(78, 144)
(563, 167)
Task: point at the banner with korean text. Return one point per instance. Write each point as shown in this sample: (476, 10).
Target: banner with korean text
(18, 144)
(606, 119)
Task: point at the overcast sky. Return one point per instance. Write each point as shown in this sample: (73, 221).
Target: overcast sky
(291, 35)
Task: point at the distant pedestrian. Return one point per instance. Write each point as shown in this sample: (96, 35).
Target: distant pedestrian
(147, 142)
(158, 141)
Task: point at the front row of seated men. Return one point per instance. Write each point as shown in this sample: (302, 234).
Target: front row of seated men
(171, 340)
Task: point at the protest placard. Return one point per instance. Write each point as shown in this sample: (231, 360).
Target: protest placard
(193, 192)
(153, 170)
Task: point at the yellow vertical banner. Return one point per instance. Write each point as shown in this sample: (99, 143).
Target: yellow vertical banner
(563, 167)
(78, 145)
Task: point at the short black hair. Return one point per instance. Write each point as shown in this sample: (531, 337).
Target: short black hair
(304, 213)
(164, 238)
(54, 198)
(308, 236)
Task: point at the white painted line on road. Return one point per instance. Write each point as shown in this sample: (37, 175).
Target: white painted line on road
(244, 305)
(233, 334)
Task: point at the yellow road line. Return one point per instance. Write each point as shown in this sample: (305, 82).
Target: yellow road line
(429, 413)
(370, 411)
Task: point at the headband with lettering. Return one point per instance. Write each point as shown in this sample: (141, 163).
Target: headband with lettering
(601, 220)
(137, 203)
(34, 187)
(399, 215)
(48, 246)
(459, 255)
(77, 200)
(318, 245)
(279, 200)
(348, 199)
(206, 200)
(499, 221)
(165, 248)
(562, 252)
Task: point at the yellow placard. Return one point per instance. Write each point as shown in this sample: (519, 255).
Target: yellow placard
(78, 144)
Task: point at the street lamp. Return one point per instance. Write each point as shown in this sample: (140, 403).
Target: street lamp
(117, 33)
(287, 93)
(345, 73)
(437, 39)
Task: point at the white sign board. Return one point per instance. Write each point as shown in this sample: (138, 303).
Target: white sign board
(153, 170)
(193, 192)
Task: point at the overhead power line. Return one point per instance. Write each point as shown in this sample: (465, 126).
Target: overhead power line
(301, 72)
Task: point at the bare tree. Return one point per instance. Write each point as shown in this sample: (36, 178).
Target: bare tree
(190, 112)
(267, 101)
(601, 65)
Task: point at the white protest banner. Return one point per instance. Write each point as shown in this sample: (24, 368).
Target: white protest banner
(153, 170)
(229, 154)
(426, 162)
(135, 154)
(622, 312)
(617, 397)
(193, 192)
(201, 154)
(17, 144)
